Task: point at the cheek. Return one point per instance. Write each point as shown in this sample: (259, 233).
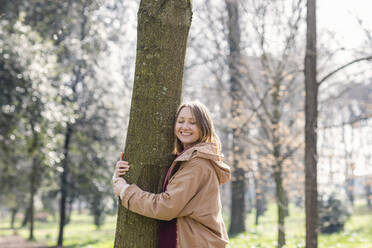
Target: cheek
(176, 127)
(198, 133)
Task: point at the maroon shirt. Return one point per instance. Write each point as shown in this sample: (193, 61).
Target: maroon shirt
(167, 229)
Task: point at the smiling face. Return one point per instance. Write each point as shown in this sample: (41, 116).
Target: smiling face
(186, 128)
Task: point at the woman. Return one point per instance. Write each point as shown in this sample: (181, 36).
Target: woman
(190, 205)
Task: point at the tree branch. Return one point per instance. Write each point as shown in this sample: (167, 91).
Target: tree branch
(355, 120)
(343, 67)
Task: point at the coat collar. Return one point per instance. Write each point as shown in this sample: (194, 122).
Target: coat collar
(207, 151)
(203, 150)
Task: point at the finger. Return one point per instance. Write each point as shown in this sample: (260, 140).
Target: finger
(124, 169)
(117, 164)
(122, 156)
(122, 163)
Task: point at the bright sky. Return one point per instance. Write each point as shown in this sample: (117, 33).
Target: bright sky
(339, 16)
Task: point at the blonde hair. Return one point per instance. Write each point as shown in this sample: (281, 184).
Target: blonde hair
(204, 123)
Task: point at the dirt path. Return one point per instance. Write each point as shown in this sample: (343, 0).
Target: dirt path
(18, 242)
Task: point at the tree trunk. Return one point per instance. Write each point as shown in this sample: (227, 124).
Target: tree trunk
(238, 186)
(13, 215)
(26, 217)
(163, 28)
(286, 203)
(349, 166)
(259, 181)
(69, 209)
(64, 185)
(32, 196)
(368, 185)
(280, 198)
(277, 167)
(311, 119)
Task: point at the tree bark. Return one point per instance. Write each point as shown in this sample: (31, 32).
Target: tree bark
(238, 186)
(260, 188)
(13, 215)
(26, 217)
(32, 196)
(311, 119)
(163, 28)
(64, 185)
(349, 183)
(277, 167)
(280, 197)
(33, 172)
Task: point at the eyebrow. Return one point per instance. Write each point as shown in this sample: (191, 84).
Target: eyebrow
(181, 117)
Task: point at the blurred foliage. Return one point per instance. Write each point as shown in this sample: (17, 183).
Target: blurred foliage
(26, 62)
(334, 210)
(51, 77)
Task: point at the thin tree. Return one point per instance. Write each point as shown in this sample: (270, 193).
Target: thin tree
(163, 28)
(238, 184)
(311, 119)
(272, 88)
(82, 74)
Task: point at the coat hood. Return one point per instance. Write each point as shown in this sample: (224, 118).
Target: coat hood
(208, 151)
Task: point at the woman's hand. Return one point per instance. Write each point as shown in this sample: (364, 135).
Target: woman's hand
(121, 168)
(120, 186)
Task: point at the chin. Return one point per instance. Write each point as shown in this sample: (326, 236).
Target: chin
(189, 143)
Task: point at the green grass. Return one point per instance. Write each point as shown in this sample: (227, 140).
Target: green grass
(79, 233)
(82, 233)
(356, 234)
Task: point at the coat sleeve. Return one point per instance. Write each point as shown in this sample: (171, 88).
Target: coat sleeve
(168, 205)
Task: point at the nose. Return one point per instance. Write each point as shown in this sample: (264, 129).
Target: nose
(185, 125)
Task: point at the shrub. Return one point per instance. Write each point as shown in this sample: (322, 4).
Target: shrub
(334, 210)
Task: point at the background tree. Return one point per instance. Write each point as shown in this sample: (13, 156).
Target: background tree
(271, 73)
(32, 121)
(311, 116)
(87, 104)
(311, 113)
(238, 182)
(260, 73)
(86, 135)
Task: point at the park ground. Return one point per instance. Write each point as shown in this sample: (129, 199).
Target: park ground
(82, 233)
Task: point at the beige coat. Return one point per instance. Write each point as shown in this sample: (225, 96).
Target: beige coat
(192, 196)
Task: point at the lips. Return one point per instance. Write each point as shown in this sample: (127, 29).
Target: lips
(186, 134)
